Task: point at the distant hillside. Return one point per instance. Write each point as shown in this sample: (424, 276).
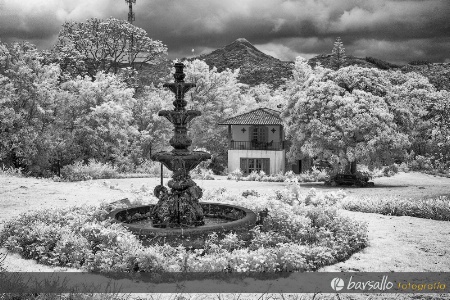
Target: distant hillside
(368, 62)
(255, 66)
(437, 73)
(155, 73)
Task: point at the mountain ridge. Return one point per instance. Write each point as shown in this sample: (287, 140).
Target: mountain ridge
(256, 67)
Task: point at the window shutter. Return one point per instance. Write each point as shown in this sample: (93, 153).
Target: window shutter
(244, 165)
(266, 134)
(250, 133)
(266, 165)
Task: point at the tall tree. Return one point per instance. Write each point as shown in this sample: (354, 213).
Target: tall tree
(217, 95)
(338, 56)
(97, 117)
(27, 107)
(154, 131)
(104, 45)
(266, 96)
(342, 116)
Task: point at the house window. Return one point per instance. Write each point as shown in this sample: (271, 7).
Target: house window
(249, 165)
(259, 134)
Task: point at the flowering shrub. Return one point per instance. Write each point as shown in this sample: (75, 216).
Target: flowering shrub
(421, 163)
(437, 208)
(438, 164)
(203, 174)
(313, 175)
(235, 175)
(390, 170)
(403, 167)
(11, 171)
(153, 169)
(299, 235)
(255, 176)
(93, 170)
(250, 193)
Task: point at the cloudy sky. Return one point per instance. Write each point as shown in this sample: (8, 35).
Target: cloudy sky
(398, 31)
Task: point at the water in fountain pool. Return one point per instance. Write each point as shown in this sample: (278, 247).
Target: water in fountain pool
(147, 223)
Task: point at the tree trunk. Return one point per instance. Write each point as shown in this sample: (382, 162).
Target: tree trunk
(353, 167)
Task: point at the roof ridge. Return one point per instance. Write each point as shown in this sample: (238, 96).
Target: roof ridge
(270, 113)
(235, 116)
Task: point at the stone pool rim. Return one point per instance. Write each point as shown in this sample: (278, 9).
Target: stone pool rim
(248, 221)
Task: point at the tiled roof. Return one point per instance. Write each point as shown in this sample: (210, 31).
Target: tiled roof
(260, 116)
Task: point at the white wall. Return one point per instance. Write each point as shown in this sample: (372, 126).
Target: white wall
(277, 158)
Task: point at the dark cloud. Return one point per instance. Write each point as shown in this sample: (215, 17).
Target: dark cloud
(394, 30)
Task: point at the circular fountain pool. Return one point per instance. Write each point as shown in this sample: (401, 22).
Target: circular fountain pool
(219, 218)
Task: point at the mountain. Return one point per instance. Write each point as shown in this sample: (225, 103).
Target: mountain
(255, 66)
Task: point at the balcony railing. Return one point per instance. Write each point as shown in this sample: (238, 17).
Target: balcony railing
(245, 145)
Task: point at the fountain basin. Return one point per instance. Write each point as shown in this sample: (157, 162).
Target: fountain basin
(219, 218)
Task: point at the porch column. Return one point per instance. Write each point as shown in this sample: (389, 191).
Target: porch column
(281, 137)
(229, 136)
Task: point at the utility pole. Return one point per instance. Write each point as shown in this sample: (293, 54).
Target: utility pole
(131, 15)
(131, 19)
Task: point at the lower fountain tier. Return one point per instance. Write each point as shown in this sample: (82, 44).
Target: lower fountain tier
(181, 161)
(222, 219)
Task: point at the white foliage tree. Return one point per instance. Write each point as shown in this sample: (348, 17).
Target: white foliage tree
(342, 116)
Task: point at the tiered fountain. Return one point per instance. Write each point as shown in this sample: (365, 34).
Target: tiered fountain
(179, 217)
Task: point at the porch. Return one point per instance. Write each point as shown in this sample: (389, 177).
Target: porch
(256, 145)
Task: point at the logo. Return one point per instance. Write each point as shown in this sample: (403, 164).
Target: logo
(369, 285)
(337, 284)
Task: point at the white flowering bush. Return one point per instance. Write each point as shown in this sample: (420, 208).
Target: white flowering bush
(235, 175)
(202, 173)
(300, 233)
(79, 171)
(436, 208)
(314, 175)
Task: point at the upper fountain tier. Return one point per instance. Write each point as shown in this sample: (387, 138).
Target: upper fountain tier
(179, 87)
(180, 117)
(180, 159)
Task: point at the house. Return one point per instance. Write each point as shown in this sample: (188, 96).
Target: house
(256, 142)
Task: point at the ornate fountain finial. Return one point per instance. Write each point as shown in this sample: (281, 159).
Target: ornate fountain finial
(179, 75)
(179, 87)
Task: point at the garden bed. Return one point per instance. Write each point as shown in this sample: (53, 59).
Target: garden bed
(299, 235)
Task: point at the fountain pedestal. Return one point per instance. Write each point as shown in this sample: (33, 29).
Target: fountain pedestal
(179, 206)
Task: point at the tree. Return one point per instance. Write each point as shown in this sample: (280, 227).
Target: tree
(342, 116)
(266, 96)
(27, 107)
(338, 56)
(104, 45)
(218, 96)
(154, 131)
(440, 133)
(97, 116)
